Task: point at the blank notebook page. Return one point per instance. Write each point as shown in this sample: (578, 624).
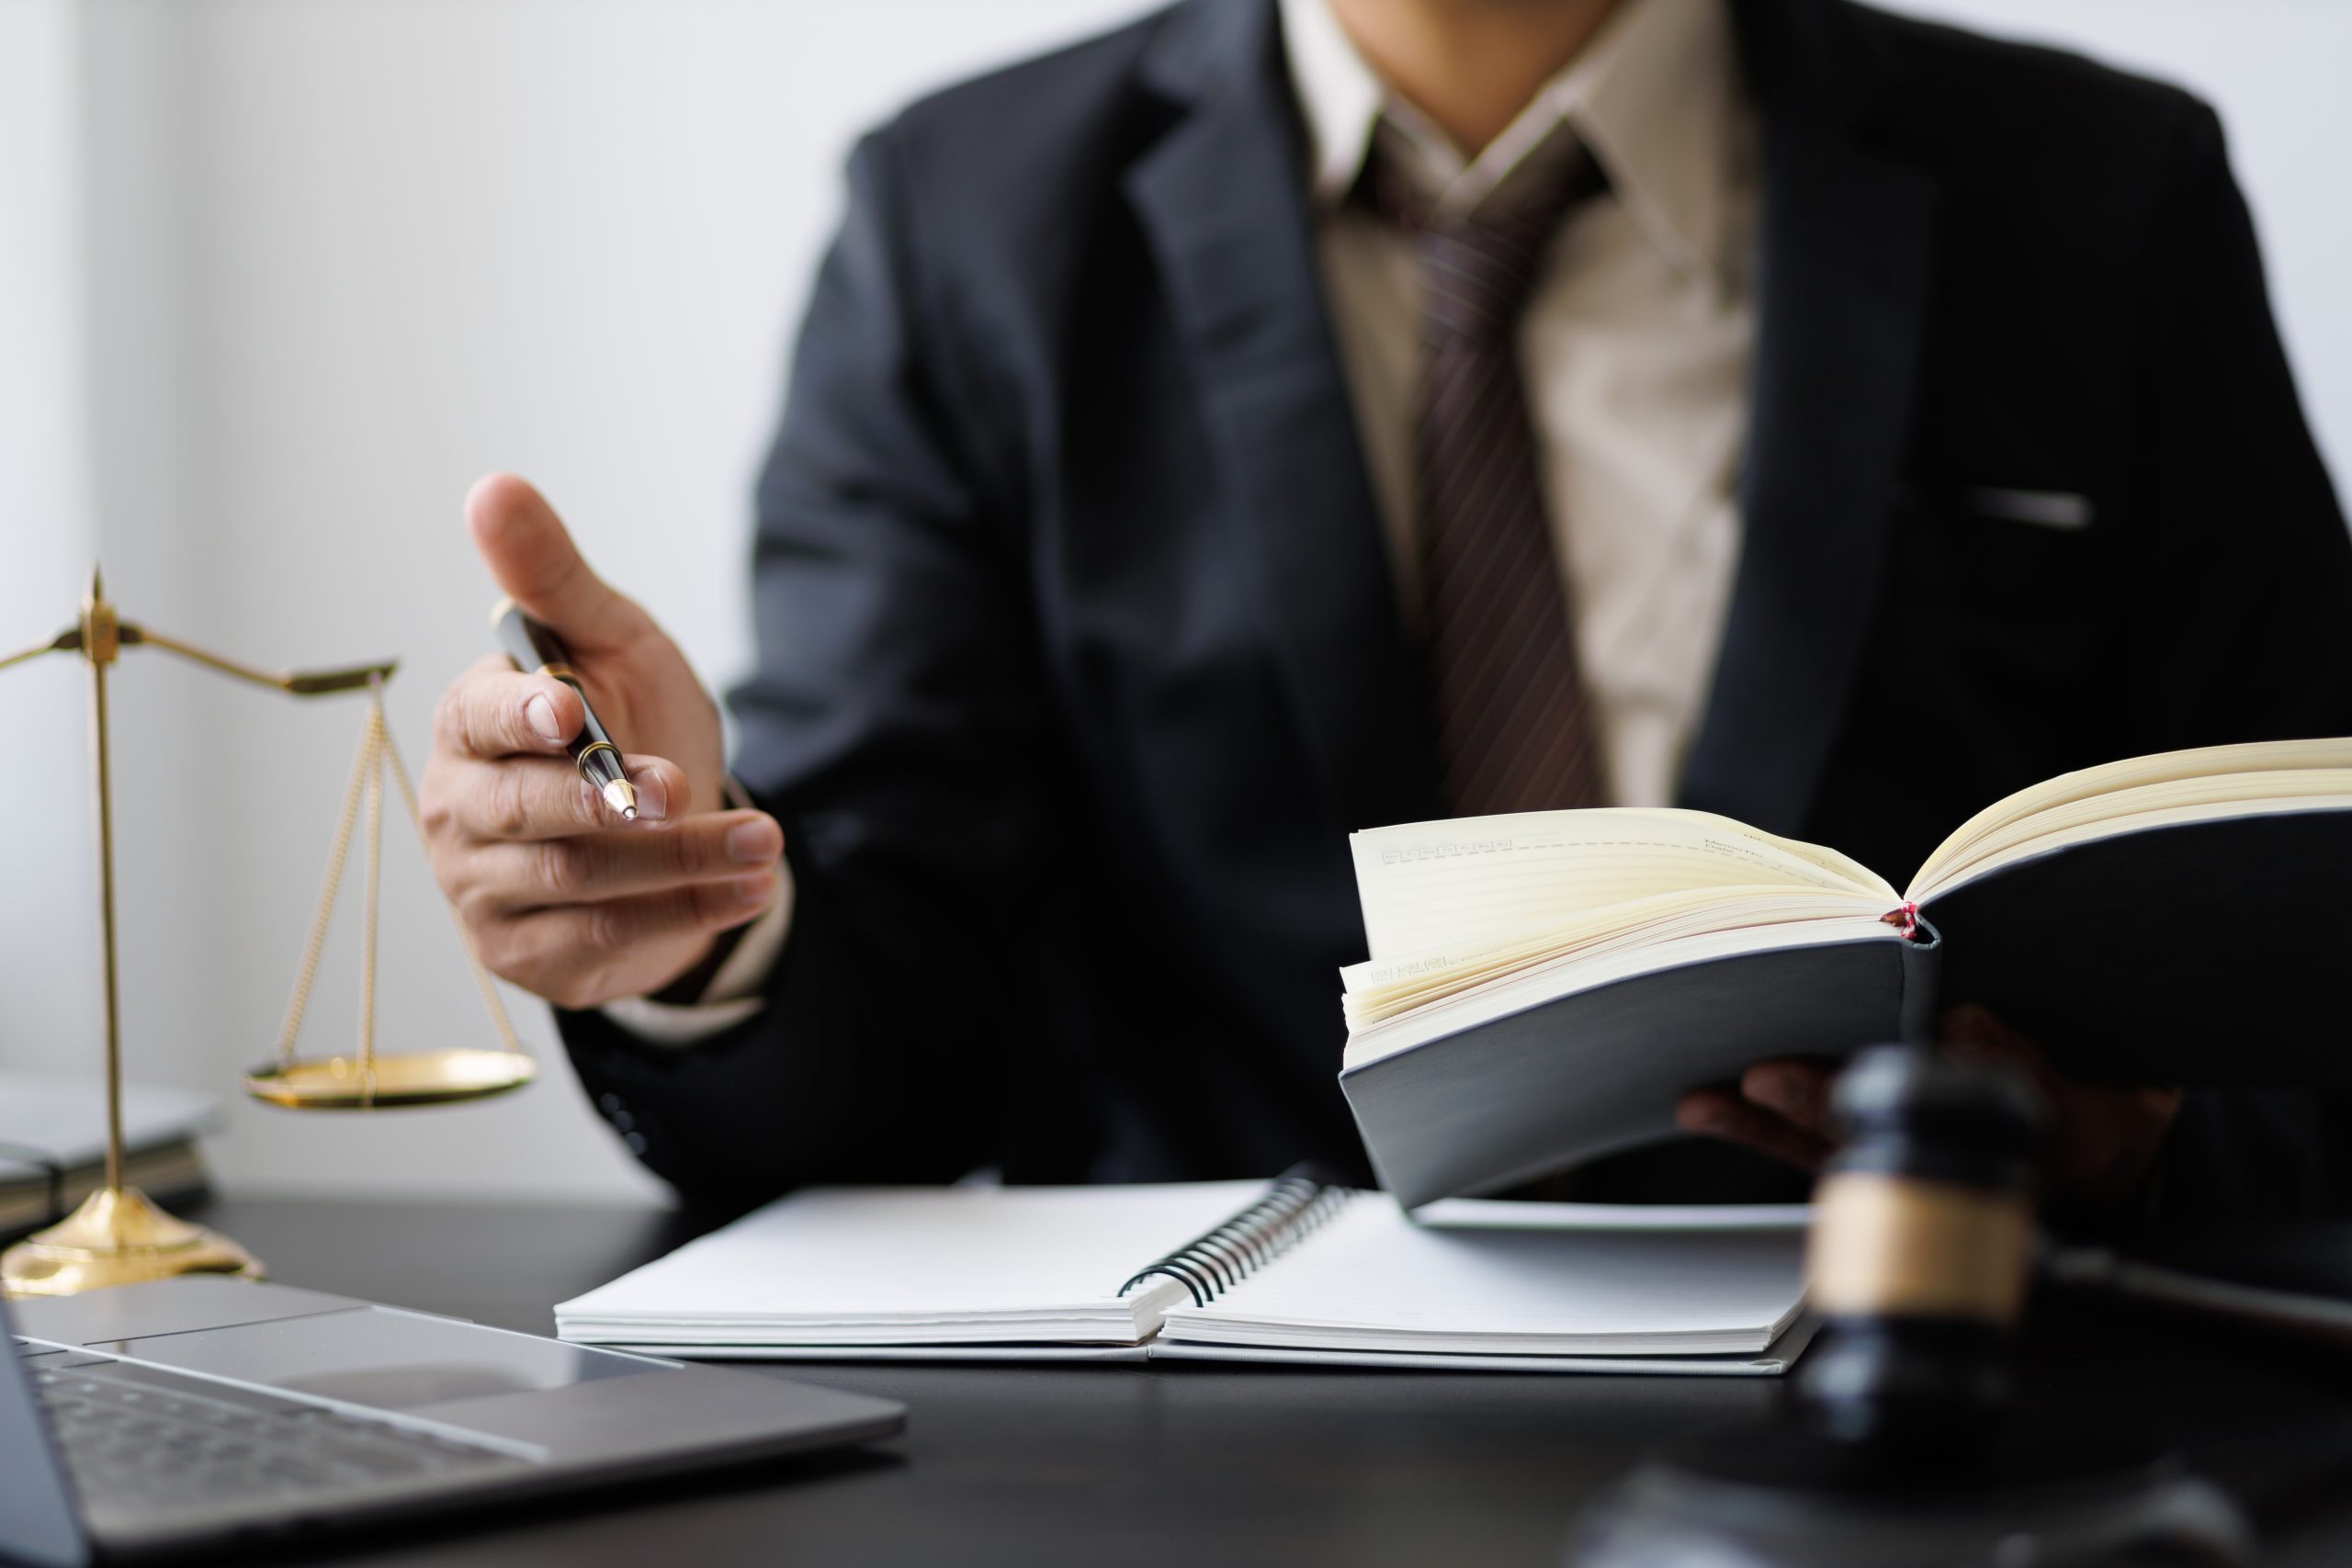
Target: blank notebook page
(961, 1264)
(1374, 1280)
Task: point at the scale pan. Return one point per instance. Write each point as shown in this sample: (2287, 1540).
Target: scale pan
(421, 1077)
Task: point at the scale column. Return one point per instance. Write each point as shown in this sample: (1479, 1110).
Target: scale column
(101, 643)
(118, 1235)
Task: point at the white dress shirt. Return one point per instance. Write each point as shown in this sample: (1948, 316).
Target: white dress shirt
(1635, 348)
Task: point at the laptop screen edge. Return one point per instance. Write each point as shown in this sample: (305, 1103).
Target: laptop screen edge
(40, 1522)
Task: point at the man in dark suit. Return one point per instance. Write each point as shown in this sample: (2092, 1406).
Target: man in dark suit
(1103, 584)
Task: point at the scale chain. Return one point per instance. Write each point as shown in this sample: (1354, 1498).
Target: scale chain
(377, 730)
(482, 982)
(361, 765)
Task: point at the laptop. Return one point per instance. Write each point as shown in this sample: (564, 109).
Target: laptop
(193, 1412)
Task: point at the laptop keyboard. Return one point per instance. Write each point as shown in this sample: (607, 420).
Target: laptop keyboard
(140, 1440)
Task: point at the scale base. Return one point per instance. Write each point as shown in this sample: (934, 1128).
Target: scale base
(118, 1237)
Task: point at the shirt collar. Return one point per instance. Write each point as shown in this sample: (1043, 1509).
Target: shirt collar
(1655, 97)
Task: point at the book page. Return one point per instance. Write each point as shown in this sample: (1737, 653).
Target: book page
(1511, 1214)
(1434, 884)
(913, 1265)
(1372, 1279)
(1381, 989)
(2133, 809)
(1602, 964)
(2134, 784)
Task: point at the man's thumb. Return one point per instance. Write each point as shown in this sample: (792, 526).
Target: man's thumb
(527, 550)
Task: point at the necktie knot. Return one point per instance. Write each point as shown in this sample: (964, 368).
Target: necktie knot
(1479, 267)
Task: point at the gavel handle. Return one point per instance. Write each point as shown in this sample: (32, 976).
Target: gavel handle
(2323, 1319)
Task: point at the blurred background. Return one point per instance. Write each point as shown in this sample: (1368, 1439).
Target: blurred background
(280, 277)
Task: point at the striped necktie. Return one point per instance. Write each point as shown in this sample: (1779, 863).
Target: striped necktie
(1514, 721)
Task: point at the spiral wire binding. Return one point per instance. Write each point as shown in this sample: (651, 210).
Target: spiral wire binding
(1300, 1202)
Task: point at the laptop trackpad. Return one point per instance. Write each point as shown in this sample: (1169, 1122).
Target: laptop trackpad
(381, 1357)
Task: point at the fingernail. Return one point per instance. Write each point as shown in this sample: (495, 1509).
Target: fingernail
(753, 843)
(752, 891)
(652, 798)
(540, 713)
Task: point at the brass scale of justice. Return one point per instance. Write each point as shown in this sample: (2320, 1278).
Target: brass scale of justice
(118, 1235)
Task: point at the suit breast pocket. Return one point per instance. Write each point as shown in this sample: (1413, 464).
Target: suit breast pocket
(2006, 586)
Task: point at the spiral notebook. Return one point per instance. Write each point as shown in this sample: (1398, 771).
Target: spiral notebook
(1298, 1271)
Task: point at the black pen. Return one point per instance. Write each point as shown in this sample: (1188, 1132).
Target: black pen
(538, 650)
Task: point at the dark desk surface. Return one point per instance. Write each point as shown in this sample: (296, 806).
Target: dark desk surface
(1197, 1465)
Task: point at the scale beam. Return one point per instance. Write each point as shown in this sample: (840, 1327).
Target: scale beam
(298, 682)
(67, 641)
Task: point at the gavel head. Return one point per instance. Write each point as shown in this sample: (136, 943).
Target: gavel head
(1918, 1261)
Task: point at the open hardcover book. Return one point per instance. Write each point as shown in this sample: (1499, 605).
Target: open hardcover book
(1542, 987)
(1296, 1270)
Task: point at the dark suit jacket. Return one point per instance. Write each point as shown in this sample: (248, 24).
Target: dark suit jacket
(1078, 655)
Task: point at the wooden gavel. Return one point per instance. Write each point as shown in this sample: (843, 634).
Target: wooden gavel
(1921, 1253)
(1892, 1452)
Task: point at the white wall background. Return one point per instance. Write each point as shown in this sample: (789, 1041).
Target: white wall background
(278, 278)
(47, 521)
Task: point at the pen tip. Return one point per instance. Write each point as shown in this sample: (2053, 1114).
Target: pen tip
(630, 813)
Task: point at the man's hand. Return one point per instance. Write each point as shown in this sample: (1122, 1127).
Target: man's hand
(561, 896)
(2103, 1139)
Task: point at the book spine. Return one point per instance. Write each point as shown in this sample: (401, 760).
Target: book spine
(1300, 1202)
(1923, 967)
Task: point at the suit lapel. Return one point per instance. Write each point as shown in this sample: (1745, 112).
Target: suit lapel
(1222, 201)
(1843, 273)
